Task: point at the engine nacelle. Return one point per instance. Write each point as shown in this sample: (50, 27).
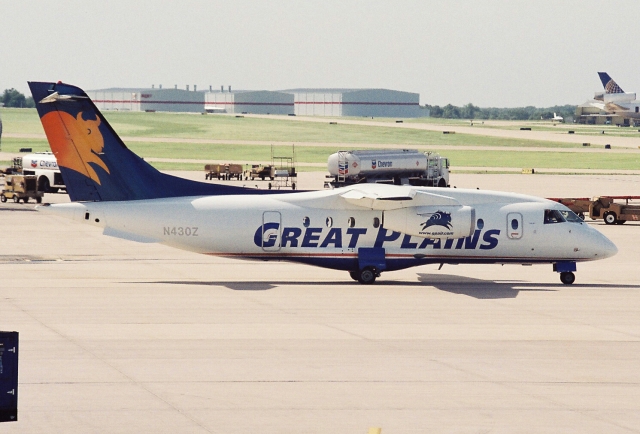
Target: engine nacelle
(432, 221)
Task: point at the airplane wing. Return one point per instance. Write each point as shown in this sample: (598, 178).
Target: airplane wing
(388, 197)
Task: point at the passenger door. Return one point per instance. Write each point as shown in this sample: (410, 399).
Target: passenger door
(514, 225)
(271, 231)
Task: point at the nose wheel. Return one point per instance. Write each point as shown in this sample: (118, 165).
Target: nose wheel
(567, 277)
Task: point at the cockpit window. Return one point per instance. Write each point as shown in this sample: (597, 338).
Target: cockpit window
(552, 216)
(570, 216)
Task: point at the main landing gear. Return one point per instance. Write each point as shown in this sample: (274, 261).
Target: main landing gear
(366, 276)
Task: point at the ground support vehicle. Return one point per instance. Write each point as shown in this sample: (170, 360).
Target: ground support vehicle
(604, 207)
(21, 187)
(283, 170)
(45, 167)
(399, 167)
(223, 172)
(213, 171)
(614, 212)
(284, 178)
(262, 172)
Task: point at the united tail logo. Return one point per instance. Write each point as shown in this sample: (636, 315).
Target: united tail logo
(76, 142)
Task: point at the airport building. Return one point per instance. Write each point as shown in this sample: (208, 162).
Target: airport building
(588, 114)
(151, 100)
(303, 102)
(356, 102)
(249, 101)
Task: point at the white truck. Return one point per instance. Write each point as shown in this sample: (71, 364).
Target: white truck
(399, 167)
(45, 167)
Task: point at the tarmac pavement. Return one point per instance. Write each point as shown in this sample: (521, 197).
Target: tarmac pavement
(120, 337)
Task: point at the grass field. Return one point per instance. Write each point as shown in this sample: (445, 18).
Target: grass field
(196, 126)
(279, 131)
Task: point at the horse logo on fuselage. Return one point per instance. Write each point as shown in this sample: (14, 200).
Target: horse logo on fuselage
(438, 218)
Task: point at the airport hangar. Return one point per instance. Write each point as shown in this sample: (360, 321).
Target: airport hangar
(587, 113)
(303, 102)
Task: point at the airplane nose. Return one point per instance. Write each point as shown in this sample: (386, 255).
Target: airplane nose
(603, 246)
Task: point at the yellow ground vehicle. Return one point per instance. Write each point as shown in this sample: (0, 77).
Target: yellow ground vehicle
(21, 187)
(262, 172)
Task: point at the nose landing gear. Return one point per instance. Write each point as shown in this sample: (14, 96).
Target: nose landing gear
(567, 277)
(566, 270)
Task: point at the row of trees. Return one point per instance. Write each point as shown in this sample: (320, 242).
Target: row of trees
(471, 111)
(13, 98)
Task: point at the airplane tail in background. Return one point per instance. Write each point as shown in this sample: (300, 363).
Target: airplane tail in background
(95, 164)
(610, 86)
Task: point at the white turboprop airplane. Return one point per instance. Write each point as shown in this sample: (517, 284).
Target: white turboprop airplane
(361, 229)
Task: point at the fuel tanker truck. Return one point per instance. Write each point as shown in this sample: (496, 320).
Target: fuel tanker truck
(399, 167)
(45, 167)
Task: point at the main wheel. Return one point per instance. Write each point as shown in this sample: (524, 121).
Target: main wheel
(610, 218)
(3, 198)
(38, 199)
(16, 199)
(567, 277)
(43, 184)
(367, 276)
(25, 200)
(581, 215)
(442, 183)
(354, 275)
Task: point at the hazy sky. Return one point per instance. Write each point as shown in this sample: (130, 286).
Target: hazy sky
(500, 53)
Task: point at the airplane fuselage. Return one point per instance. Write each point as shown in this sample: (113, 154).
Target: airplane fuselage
(320, 228)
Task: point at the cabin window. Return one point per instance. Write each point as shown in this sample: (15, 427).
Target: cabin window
(329, 222)
(480, 223)
(376, 222)
(306, 222)
(514, 224)
(552, 216)
(351, 222)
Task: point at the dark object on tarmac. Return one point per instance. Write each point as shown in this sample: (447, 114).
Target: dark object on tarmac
(607, 146)
(586, 144)
(525, 129)
(8, 376)
(26, 150)
(571, 132)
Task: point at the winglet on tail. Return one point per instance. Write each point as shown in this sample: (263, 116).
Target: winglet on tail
(609, 85)
(95, 164)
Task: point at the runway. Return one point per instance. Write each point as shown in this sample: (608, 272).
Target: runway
(119, 337)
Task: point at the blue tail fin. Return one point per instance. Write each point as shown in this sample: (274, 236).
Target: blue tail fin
(95, 164)
(610, 86)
